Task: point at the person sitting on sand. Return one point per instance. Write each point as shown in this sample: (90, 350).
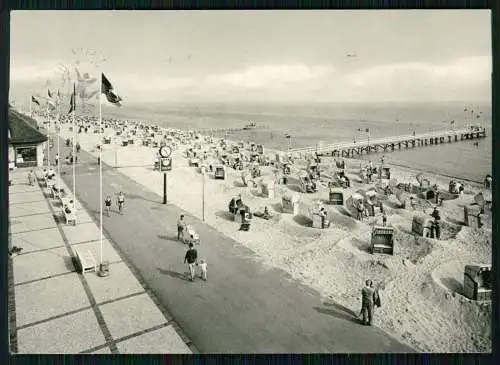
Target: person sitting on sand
(412, 203)
(266, 214)
(361, 210)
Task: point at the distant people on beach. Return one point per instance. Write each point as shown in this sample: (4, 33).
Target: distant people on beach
(435, 229)
(369, 299)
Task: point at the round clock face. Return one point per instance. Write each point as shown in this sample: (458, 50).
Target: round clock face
(165, 151)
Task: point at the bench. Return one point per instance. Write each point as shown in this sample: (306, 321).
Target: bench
(66, 201)
(70, 217)
(50, 183)
(55, 193)
(85, 260)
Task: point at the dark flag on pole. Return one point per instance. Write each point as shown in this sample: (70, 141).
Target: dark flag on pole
(107, 89)
(72, 103)
(34, 100)
(452, 122)
(367, 130)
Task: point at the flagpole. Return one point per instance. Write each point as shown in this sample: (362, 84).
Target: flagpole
(59, 156)
(74, 143)
(48, 134)
(100, 166)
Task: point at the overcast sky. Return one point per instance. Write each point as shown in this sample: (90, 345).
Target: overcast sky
(260, 55)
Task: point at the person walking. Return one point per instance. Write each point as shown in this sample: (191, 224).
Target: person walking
(57, 159)
(190, 259)
(121, 202)
(181, 227)
(107, 203)
(31, 178)
(369, 298)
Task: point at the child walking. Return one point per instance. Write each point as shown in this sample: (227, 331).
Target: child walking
(202, 264)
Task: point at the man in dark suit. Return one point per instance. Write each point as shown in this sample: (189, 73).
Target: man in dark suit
(369, 298)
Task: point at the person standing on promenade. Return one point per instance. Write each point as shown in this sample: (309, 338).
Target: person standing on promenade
(57, 159)
(121, 202)
(190, 258)
(181, 227)
(31, 178)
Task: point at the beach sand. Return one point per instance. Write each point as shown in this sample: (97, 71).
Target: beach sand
(419, 285)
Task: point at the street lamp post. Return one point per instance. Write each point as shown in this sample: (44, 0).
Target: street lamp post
(203, 193)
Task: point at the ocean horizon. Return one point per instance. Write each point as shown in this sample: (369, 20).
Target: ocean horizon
(310, 124)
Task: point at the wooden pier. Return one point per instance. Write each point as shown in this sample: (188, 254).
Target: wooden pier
(389, 144)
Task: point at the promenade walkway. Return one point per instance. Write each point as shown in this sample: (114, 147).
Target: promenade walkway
(244, 307)
(53, 308)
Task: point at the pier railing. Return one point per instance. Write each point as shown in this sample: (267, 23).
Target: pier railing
(367, 145)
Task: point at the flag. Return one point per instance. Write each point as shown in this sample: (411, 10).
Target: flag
(367, 130)
(72, 103)
(107, 89)
(452, 122)
(478, 116)
(34, 100)
(48, 92)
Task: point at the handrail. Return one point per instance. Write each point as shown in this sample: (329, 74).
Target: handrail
(401, 138)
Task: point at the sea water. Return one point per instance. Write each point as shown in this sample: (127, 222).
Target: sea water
(311, 124)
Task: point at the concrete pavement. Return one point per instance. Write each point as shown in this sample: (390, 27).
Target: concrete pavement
(244, 307)
(53, 308)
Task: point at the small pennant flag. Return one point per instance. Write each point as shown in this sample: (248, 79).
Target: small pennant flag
(72, 103)
(49, 93)
(367, 130)
(452, 122)
(107, 89)
(34, 100)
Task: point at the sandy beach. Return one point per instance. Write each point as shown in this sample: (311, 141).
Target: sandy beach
(419, 285)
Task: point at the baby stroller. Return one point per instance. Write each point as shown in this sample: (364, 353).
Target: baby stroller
(191, 236)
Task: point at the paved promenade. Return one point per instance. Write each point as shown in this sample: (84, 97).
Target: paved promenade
(53, 308)
(244, 307)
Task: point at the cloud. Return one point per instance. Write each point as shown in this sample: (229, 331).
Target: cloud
(460, 79)
(270, 76)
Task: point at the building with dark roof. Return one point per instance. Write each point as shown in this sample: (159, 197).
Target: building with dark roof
(26, 142)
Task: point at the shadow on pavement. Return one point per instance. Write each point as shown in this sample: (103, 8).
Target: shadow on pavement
(168, 238)
(337, 314)
(340, 308)
(225, 215)
(173, 274)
